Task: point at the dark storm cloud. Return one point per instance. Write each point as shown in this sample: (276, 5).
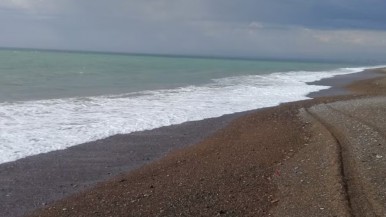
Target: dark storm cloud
(326, 14)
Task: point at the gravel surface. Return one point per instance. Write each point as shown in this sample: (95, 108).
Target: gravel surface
(229, 174)
(359, 128)
(34, 182)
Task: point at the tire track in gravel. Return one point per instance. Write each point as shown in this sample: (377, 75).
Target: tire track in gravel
(340, 160)
(358, 140)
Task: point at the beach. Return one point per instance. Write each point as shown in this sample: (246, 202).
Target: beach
(298, 159)
(192, 108)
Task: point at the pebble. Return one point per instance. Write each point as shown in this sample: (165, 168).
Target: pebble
(378, 156)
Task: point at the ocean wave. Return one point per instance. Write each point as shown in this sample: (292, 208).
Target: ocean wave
(34, 127)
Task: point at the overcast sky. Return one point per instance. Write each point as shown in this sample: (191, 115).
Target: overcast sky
(352, 29)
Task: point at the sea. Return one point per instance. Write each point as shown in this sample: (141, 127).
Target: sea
(52, 100)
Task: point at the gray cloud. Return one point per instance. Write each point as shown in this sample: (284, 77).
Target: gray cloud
(274, 28)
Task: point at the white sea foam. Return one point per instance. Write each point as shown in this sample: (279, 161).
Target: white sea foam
(33, 127)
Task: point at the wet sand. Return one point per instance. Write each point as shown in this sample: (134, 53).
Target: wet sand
(258, 163)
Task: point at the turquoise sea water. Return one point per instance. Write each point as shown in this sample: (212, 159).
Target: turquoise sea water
(29, 75)
(54, 100)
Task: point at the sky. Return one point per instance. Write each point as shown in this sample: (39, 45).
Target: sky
(319, 29)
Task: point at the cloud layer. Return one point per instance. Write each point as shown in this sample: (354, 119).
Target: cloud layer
(253, 28)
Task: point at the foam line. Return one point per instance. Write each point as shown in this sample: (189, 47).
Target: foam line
(33, 127)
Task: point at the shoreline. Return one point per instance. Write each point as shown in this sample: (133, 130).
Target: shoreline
(339, 83)
(51, 124)
(73, 169)
(148, 146)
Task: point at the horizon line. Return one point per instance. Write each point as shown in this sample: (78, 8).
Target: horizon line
(169, 55)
